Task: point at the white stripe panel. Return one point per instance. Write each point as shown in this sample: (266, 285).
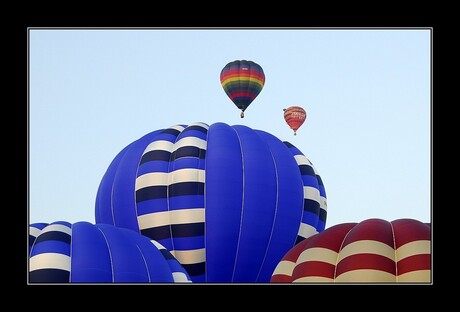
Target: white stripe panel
(306, 230)
(189, 256)
(180, 277)
(186, 175)
(58, 228)
(421, 276)
(284, 267)
(318, 254)
(367, 247)
(49, 261)
(157, 244)
(313, 279)
(152, 179)
(323, 203)
(34, 231)
(181, 216)
(177, 127)
(366, 275)
(312, 193)
(302, 160)
(201, 124)
(413, 248)
(314, 169)
(159, 145)
(190, 141)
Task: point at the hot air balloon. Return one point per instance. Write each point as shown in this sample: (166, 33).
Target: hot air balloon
(227, 201)
(61, 252)
(294, 116)
(374, 250)
(242, 81)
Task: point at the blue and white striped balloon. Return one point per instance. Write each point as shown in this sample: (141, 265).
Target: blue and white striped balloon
(227, 201)
(61, 252)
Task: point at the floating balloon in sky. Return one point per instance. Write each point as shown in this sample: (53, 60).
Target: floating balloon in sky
(373, 250)
(61, 252)
(227, 201)
(295, 116)
(242, 81)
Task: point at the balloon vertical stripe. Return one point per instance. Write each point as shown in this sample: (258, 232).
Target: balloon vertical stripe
(186, 198)
(224, 169)
(152, 185)
(289, 194)
(314, 216)
(258, 208)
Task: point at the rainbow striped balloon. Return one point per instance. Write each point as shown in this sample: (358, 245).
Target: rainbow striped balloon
(242, 82)
(373, 250)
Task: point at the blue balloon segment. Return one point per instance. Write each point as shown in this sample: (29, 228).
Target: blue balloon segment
(88, 239)
(104, 192)
(258, 205)
(100, 253)
(224, 168)
(289, 197)
(226, 201)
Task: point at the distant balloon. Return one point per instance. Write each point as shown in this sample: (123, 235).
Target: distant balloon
(295, 116)
(227, 201)
(242, 81)
(82, 252)
(373, 250)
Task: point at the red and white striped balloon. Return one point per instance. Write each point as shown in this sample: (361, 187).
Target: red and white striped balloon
(373, 250)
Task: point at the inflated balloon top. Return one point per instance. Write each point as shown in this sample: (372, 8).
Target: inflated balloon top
(61, 252)
(227, 201)
(242, 81)
(374, 250)
(295, 117)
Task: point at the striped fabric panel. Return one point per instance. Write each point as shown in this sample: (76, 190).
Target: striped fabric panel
(179, 274)
(366, 276)
(312, 197)
(414, 261)
(367, 255)
(49, 260)
(34, 230)
(186, 198)
(323, 201)
(152, 186)
(315, 262)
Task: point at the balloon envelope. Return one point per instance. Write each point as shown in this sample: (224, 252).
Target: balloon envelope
(82, 252)
(295, 116)
(227, 201)
(242, 81)
(373, 250)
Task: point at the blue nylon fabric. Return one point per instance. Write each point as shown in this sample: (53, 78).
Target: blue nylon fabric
(223, 204)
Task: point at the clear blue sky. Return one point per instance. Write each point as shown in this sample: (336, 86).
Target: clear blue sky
(367, 93)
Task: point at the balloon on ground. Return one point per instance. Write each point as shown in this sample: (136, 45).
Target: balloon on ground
(227, 201)
(242, 81)
(61, 252)
(373, 250)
